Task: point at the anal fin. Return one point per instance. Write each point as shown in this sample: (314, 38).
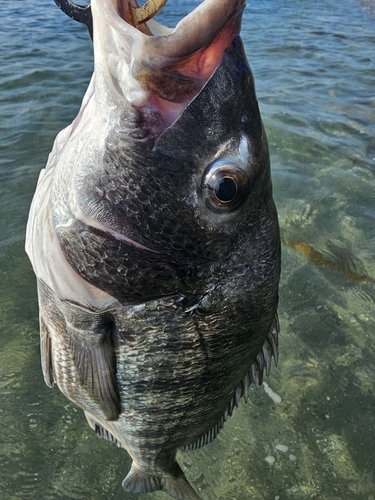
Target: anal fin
(101, 431)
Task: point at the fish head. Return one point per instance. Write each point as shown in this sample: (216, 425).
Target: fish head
(184, 161)
(165, 172)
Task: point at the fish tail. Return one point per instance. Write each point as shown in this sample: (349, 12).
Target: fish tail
(176, 485)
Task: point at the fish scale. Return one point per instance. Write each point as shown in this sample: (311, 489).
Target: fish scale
(154, 238)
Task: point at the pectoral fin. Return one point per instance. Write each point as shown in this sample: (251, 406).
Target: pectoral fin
(93, 353)
(78, 352)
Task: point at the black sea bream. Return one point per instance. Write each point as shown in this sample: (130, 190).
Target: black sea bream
(155, 241)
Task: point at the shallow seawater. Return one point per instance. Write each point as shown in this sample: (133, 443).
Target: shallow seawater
(309, 432)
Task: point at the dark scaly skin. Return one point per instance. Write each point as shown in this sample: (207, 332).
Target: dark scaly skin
(142, 186)
(206, 288)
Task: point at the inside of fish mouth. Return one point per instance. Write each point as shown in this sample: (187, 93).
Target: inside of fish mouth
(174, 66)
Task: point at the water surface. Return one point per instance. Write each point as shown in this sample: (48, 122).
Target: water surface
(308, 433)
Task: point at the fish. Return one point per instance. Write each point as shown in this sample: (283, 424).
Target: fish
(154, 237)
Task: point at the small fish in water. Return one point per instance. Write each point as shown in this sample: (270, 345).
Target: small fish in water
(154, 237)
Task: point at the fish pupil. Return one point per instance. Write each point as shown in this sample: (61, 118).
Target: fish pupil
(225, 189)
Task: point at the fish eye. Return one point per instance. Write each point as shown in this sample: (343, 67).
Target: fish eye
(224, 186)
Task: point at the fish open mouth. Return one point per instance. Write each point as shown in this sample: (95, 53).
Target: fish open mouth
(152, 65)
(176, 65)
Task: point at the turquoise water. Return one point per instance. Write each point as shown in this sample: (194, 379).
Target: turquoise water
(310, 432)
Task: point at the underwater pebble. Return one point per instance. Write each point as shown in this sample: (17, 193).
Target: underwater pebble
(293, 458)
(275, 397)
(282, 447)
(270, 459)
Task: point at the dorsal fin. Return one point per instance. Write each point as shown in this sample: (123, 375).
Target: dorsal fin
(253, 376)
